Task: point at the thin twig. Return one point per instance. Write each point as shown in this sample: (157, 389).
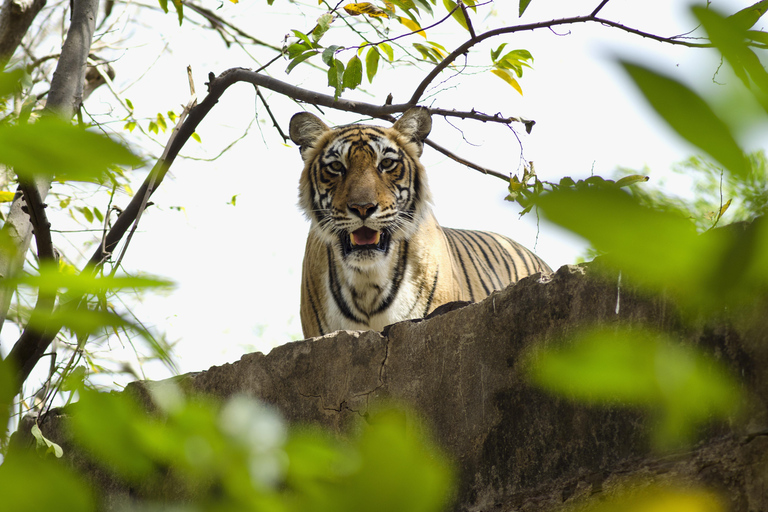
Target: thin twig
(463, 48)
(462, 161)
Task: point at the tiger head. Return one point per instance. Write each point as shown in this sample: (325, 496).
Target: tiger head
(363, 187)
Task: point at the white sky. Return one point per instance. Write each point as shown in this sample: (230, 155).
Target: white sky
(238, 268)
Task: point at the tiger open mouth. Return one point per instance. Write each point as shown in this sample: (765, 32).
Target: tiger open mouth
(364, 239)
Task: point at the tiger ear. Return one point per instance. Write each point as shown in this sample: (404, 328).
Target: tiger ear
(416, 124)
(305, 129)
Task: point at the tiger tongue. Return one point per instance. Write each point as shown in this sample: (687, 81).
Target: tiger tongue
(364, 236)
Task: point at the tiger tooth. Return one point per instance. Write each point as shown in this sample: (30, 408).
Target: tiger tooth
(352, 239)
(378, 237)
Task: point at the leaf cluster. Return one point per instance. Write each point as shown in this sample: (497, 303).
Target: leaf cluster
(237, 456)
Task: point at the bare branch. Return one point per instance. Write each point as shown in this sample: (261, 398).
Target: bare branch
(599, 7)
(462, 161)
(463, 48)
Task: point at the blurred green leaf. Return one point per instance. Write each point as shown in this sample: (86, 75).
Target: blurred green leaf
(50, 280)
(659, 247)
(679, 384)
(390, 466)
(30, 483)
(55, 149)
(661, 250)
(689, 115)
(747, 17)
(731, 40)
(74, 380)
(10, 82)
(106, 425)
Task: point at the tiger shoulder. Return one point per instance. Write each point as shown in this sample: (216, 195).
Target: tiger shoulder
(375, 254)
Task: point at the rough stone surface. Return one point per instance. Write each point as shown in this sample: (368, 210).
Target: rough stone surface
(516, 447)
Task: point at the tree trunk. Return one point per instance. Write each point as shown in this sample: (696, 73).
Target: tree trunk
(16, 16)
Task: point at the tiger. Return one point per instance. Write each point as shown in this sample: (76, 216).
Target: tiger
(375, 254)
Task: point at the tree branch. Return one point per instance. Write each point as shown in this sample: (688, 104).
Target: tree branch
(16, 16)
(66, 92)
(463, 48)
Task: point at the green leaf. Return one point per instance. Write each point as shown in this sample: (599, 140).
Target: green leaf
(50, 280)
(639, 367)
(53, 149)
(10, 82)
(690, 116)
(161, 122)
(336, 77)
(633, 179)
(323, 24)
(86, 213)
(299, 59)
(507, 77)
(353, 74)
(457, 15)
(495, 53)
(523, 6)
(387, 49)
(304, 38)
(730, 39)
(164, 5)
(179, 10)
(330, 53)
(74, 381)
(129, 104)
(63, 489)
(747, 17)
(45, 446)
(371, 63)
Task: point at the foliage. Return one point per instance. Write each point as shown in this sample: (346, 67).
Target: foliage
(654, 243)
(682, 387)
(237, 456)
(715, 195)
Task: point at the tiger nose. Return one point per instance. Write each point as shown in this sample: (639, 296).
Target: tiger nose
(362, 210)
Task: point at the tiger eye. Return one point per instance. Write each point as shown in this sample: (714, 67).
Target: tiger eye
(337, 166)
(386, 164)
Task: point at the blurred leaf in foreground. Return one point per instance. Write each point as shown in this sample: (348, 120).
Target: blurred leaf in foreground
(662, 250)
(689, 115)
(241, 456)
(679, 385)
(54, 149)
(30, 483)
